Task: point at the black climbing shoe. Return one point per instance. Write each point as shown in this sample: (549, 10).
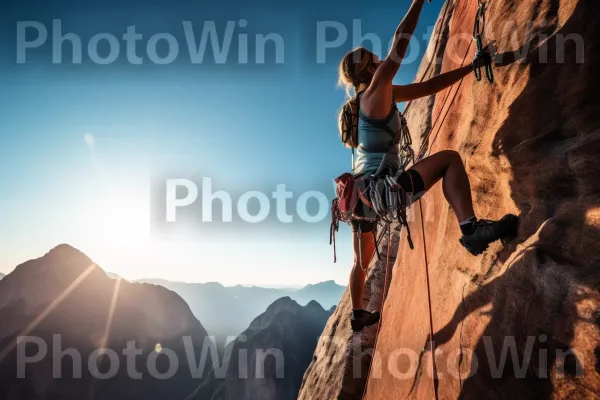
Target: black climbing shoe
(486, 232)
(362, 319)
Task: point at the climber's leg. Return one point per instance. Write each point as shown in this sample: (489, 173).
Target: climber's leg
(358, 275)
(448, 165)
(363, 243)
(477, 234)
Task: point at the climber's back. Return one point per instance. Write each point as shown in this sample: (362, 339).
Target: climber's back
(375, 139)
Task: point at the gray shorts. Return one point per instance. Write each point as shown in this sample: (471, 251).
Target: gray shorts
(411, 181)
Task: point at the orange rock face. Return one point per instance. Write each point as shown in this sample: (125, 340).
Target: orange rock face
(521, 321)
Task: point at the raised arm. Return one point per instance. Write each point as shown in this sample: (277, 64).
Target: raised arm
(378, 95)
(389, 67)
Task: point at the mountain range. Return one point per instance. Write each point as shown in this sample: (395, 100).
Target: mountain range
(71, 331)
(227, 311)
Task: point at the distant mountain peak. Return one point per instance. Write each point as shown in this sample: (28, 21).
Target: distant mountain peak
(283, 302)
(287, 304)
(64, 247)
(330, 283)
(67, 252)
(63, 263)
(314, 305)
(214, 284)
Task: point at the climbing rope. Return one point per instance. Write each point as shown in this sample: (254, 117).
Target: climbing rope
(426, 259)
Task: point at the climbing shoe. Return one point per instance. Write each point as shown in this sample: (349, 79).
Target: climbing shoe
(485, 232)
(361, 319)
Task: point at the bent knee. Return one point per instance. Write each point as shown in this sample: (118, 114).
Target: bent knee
(452, 156)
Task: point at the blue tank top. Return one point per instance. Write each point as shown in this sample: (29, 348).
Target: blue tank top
(374, 141)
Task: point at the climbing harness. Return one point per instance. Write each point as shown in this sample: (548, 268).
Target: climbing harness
(482, 57)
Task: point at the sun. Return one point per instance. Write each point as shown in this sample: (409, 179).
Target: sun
(122, 218)
(126, 222)
(119, 210)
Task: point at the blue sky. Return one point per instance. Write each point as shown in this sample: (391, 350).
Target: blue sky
(82, 144)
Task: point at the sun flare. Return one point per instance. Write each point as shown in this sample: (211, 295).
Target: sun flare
(122, 219)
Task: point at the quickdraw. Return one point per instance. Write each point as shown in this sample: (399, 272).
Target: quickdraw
(482, 57)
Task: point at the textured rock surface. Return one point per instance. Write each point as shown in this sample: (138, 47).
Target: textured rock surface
(341, 360)
(531, 145)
